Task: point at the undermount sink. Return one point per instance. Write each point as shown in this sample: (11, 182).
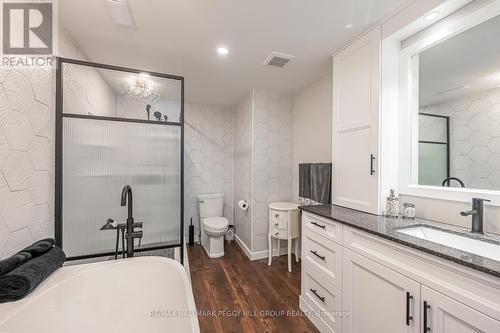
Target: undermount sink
(479, 247)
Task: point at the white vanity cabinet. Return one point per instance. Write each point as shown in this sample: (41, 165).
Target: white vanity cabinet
(356, 105)
(446, 315)
(379, 299)
(383, 286)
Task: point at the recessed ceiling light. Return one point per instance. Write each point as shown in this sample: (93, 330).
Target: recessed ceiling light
(222, 50)
(349, 26)
(431, 16)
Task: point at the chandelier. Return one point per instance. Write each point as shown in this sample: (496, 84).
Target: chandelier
(140, 91)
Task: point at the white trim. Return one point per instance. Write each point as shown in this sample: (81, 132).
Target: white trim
(461, 20)
(259, 254)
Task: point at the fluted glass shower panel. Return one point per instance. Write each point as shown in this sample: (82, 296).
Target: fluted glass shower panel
(100, 157)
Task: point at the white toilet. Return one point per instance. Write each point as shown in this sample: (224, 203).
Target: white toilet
(213, 224)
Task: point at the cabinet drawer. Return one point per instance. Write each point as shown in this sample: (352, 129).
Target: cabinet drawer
(323, 256)
(279, 223)
(279, 233)
(279, 215)
(323, 227)
(324, 299)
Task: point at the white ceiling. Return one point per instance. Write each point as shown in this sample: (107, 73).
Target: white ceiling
(471, 59)
(181, 36)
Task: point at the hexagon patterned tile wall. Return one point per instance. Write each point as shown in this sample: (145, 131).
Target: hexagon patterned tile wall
(474, 137)
(27, 152)
(263, 161)
(208, 158)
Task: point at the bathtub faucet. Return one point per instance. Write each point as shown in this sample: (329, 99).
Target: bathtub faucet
(131, 233)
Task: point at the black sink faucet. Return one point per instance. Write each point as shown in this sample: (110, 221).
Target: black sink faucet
(477, 214)
(131, 234)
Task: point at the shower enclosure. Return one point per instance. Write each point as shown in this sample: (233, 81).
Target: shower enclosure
(114, 127)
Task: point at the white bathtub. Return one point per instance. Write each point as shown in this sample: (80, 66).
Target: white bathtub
(144, 294)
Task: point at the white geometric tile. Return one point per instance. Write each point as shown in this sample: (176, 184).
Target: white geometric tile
(494, 179)
(4, 234)
(17, 170)
(41, 153)
(18, 240)
(494, 96)
(481, 183)
(18, 131)
(494, 145)
(462, 162)
(19, 92)
(479, 123)
(480, 154)
(479, 138)
(480, 169)
(494, 161)
(39, 185)
(480, 107)
(41, 82)
(462, 147)
(17, 209)
(4, 105)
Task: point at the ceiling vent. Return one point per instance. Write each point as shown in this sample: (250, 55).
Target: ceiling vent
(278, 59)
(121, 13)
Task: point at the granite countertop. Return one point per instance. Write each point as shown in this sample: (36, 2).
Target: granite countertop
(387, 228)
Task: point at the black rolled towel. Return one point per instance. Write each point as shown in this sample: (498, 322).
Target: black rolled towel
(40, 247)
(12, 262)
(24, 279)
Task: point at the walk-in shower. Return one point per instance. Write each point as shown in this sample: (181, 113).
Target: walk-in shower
(105, 140)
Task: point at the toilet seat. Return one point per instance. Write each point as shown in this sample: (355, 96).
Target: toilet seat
(215, 224)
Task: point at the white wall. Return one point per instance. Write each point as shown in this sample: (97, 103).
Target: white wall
(263, 161)
(27, 129)
(313, 127)
(208, 158)
(243, 148)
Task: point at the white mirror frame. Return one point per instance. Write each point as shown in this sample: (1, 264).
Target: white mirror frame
(471, 15)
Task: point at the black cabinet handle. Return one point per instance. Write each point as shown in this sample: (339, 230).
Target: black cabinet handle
(372, 171)
(318, 225)
(426, 308)
(322, 299)
(317, 255)
(408, 317)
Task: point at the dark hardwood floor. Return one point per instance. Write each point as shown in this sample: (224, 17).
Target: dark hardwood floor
(234, 294)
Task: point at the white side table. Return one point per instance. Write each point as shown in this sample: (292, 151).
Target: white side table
(284, 224)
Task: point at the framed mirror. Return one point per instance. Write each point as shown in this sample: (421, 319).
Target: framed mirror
(450, 106)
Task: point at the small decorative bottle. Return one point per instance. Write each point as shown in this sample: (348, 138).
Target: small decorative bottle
(392, 205)
(408, 211)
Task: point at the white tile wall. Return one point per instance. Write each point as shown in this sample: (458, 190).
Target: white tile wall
(263, 161)
(273, 160)
(208, 157)
(474, 137)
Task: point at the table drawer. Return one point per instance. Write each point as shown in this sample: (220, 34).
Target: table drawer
(325, 300)
(282, 216)
(279, 233)
(323, 227)
(323, 256)
(279, 223)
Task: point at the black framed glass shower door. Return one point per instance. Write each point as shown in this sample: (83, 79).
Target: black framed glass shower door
(98, 151)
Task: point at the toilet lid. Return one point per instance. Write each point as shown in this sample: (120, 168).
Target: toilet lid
(216, 222)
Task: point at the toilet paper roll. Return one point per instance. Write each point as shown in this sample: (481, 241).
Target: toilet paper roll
(243, 204)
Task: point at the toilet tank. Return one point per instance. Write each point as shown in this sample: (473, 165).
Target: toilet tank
(211, 205)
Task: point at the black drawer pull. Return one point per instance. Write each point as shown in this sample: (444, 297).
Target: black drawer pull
(318, 225)
(317, 255)
(372, 158)
(408, 317)
(322, 299)
(276, 215)
(426, 308)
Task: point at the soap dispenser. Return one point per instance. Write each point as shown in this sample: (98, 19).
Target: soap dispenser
(392, 205)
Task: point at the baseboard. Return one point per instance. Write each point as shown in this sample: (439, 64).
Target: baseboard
(259, 254)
